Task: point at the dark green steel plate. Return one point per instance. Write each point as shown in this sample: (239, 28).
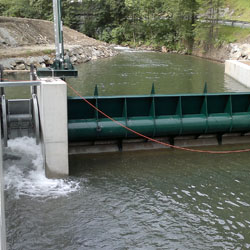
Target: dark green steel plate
(49, 72)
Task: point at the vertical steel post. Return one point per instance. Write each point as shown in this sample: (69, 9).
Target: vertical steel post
(33, 78)
(1, 79)
(58, 28)
(60, 68)
(2, 210)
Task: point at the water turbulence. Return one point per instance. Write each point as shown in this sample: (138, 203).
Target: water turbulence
(24, 173)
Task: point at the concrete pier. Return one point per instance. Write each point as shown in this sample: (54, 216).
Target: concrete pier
(139, 144)
(52, 99)
(2, 209)
(238, 70)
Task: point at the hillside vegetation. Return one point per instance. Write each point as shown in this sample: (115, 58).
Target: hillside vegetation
(25, 41)
(177, 25)
(238, 10)
(16, 32)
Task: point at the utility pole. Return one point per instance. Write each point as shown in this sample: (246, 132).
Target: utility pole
(58, 30)
(61, 67)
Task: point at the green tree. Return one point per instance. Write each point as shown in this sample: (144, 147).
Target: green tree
(38, 9)
(99, 17)
(185, 18)
(153, 22)
(208, 25)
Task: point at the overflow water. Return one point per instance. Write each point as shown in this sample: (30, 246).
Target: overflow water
(24, 172)
(164, 199)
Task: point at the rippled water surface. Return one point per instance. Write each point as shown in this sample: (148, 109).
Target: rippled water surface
(163, 199)
(134, 73)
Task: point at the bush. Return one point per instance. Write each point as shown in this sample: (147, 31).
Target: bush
(105, 35)
(117, 34)
(3, 8)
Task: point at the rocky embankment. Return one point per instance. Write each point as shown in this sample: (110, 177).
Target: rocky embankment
(232, 51)
(239, 51)
(28, 41)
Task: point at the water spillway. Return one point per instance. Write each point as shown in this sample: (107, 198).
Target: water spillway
(158, 115)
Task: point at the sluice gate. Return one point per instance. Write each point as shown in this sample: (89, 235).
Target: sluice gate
(158, 116)
(19, 117)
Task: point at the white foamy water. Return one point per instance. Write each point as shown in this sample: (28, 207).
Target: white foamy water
(122, 48)
(127, 49)
(25, 174)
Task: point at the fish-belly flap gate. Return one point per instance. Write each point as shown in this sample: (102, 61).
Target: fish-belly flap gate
(158, 115)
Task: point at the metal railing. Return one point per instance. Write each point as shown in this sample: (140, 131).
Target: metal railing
(227, 22)
(20, 83)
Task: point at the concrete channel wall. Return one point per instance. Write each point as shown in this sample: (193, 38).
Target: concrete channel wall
(238, 70)
(2, 209)
(52, 96)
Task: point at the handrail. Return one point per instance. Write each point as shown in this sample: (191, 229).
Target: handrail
(19, 83)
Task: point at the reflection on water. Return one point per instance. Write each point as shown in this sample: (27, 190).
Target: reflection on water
(233, 86)
(164, 199)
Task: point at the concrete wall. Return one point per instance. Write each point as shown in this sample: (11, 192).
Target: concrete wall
(239, 71)
(52, 98)
(2, 210)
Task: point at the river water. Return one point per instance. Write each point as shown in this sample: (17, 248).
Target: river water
(163, 199)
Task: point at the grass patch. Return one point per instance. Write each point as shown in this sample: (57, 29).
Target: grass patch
(26, 53)
(241, 9)
(227, 34)
(48, 51)
(222, 35)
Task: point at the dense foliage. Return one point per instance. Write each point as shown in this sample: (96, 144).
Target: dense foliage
(151, 22)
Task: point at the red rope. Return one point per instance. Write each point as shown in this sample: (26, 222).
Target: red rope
(151, 139)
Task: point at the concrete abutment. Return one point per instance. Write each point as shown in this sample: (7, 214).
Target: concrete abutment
(238, 70)
(52, 99)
